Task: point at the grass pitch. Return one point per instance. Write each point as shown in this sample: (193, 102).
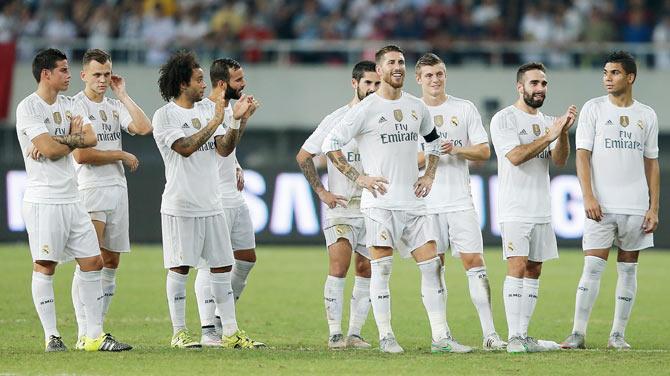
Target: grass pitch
(283, 306)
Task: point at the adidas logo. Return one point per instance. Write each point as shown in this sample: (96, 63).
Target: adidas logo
(609, 122)
(184, 126)
(91, 117)
(47, 121)
(382, 120)
(523, 132)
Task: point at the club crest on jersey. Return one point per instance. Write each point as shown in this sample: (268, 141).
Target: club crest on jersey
(45, 249)
(414, 115)
(510, 247)
(397, 114)
(57, 118)
(340, 230)
(103, 115)
(536, 129)
(640, 124)
(454, 121)
(624, 121)
(383, 235)
(68, 115)
(196, 123)
(115, 115)
(438, 120)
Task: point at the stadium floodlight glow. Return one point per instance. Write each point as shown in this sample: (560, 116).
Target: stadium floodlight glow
(567, 207)
(15, 181)
(254, 188)
(293, 199)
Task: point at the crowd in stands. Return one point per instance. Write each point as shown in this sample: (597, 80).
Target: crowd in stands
(222, 26)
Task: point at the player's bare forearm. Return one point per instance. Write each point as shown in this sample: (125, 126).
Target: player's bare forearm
(97, 157)
(562, 150)
(141, 124)
(523, 153)
(653, 175)
(341, 163)
(479, 152)
(431, 166)
(225, 144)
(306, 163)
(188, 145)
(421, 159)
(73, 141)
(583, 164)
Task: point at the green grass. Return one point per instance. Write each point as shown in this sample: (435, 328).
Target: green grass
(283, 306)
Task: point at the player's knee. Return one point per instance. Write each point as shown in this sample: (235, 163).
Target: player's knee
(180, 269)
(111, 260)
(627, 256)
(45, 267)
(338, 269)
(248, 255)
(363, 268)
(223, 269)
(90, 264)
(472, 260)
(533, 270)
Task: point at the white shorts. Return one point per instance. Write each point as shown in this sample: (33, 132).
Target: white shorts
(241, 228)
(109, 205)
(352, 229)
(187, 239)
(624, 231)
(401, 230)
(537, 241)
(59, 232)
(459, 229)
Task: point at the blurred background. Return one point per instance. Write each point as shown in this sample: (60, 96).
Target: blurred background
(297, 57)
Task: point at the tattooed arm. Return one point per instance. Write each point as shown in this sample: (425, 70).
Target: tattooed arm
(425, 183)
(56, 147)
(242, 111)
(374, 184)
(306, 164)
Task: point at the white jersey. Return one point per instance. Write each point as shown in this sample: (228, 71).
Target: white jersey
(191, 187)
(456, 121)
(619, 139)
(49, 182)
(337, 183)
(387, 133)
(108, 118)
(523, 191)
(228, 194)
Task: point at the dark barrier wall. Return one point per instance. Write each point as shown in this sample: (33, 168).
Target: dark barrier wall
(284, 209)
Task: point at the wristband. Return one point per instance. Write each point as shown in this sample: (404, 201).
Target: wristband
(235, 124)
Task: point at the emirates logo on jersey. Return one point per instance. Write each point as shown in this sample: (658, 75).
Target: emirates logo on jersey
(438, 120)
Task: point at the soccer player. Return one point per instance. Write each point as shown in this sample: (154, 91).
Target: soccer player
(227, 77)
(451, 212)
(100, 173)
(386, 126)
(525, 140)
(49, 126)
(617, 137)
(192, 220)
(344, 227)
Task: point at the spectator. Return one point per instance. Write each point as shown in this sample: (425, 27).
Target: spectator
(661, 37)
(158, 32)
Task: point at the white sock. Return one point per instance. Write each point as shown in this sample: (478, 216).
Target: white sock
(225, 301)
(79, 313)
(480, 294)
(443, 282)
(333, 296)
(175, 287)
(108, 288)
(203, 294)
(531, 288)
(43, 297)
(360, 305)
(90, 293)
(380, 294)
(626, 287)
(432, 294)
(587, 292)
(512, 292)
(241, 271)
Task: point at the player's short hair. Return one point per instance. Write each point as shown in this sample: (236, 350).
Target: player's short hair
(624, 58)
(427, 60)
(95, 54)
(529, 67)
(220, 70)
(384, 50)
(361, 67)
(46, 59)
(176, 71)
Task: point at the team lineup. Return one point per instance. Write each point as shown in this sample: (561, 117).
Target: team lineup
(398, 180)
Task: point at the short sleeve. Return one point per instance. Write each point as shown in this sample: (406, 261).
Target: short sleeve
(503, 135)
(476, 132)
(165, 132)
(586, 128)
(124, 118)
(28, 121)
(345, 130)
(314, 142)
(651, 140)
